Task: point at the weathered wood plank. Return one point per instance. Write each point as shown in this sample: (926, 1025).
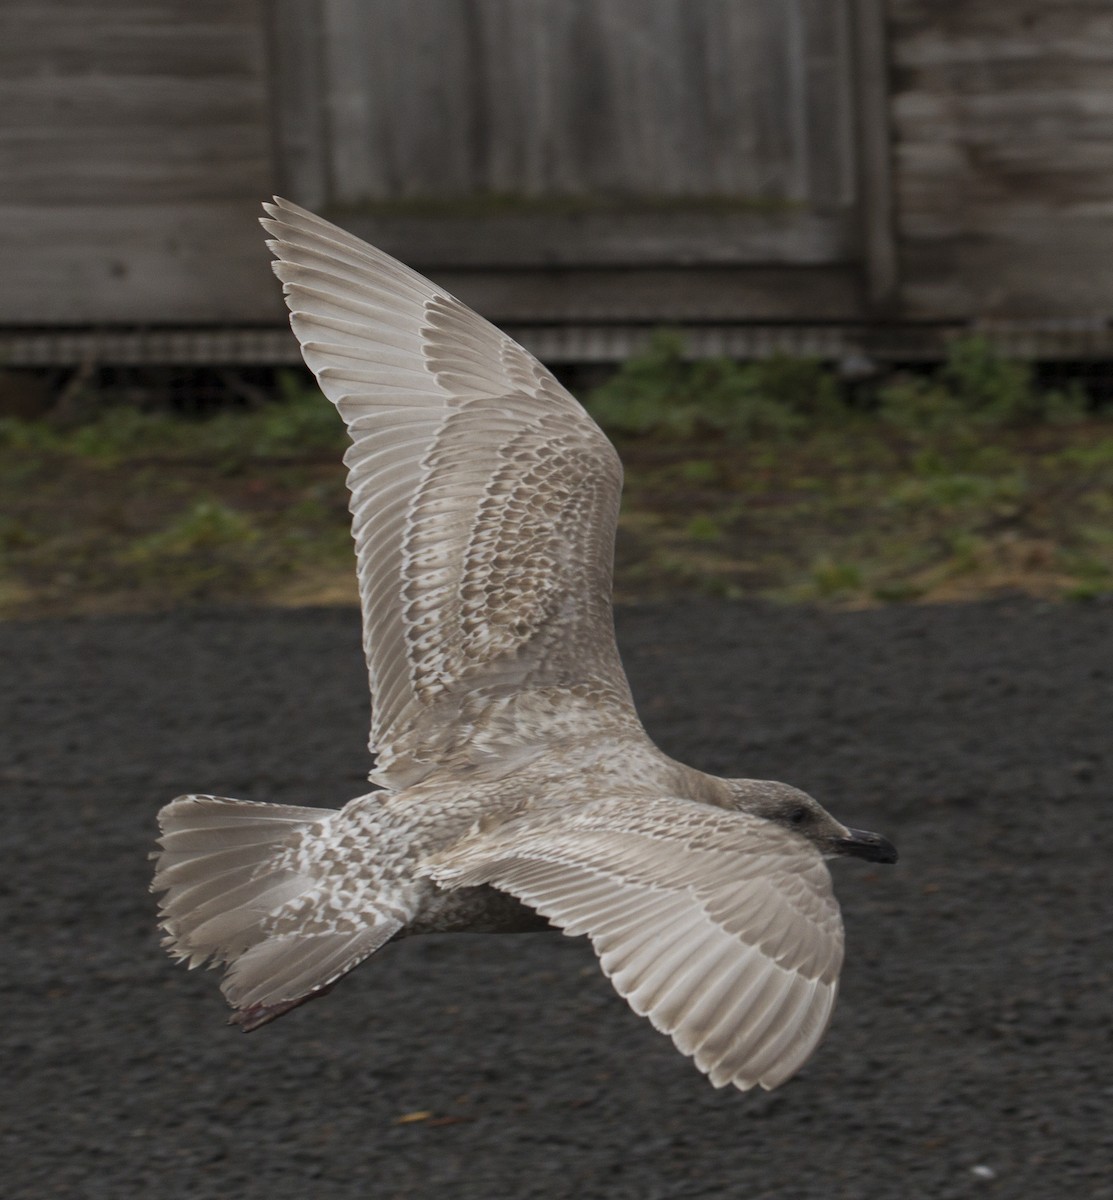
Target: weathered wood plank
(85, 163)
(297, 96)
(1003, 121)
(1044, 117)
(147, 264)
(827, 105)
(876, 215)
(660, 295)
(69, 38)
(1034, 271)
(134, 148)
(104, 101)
(586, 239)
(981, 29)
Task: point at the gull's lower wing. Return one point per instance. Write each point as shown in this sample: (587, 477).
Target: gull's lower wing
(719, 927)
(484, 499)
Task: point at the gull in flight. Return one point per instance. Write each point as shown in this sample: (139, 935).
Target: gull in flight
(516, 787)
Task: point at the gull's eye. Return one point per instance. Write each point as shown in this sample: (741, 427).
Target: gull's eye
(798, 816)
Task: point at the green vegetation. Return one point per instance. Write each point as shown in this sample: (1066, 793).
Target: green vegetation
(660, 393)
(771, 478)
(774, 478)
(134, 509)
(977, 389)
(299, 423)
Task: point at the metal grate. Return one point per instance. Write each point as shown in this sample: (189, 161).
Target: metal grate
(1054, 341)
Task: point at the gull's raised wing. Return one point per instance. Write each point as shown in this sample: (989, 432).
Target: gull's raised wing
(484, 503)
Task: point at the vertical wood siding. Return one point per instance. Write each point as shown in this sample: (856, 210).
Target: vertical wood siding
(580, 135)
(642, 99)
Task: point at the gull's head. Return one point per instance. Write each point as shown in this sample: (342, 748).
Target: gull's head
(798, 812)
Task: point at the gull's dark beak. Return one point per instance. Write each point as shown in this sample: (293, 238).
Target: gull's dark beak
(870, 846)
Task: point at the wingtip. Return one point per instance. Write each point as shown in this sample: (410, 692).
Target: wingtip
(277, 207)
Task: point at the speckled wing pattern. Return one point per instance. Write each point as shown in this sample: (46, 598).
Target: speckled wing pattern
(484, 502)
(719, 927)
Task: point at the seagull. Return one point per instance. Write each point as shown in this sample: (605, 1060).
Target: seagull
(516, 788)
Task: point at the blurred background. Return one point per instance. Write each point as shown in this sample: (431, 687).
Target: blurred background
(838, 209)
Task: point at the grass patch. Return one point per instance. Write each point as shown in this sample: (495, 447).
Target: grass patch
(963, 481)
(836, 579)
(300, 423)
(134, 509)
(975, 388)
(208, 525)
(704, 529)
(764, 479)
(660, 393)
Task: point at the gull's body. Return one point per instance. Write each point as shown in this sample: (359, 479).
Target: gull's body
(518, 787)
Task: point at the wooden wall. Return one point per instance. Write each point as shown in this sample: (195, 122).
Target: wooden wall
(134, 151)
(564, 161)
(1002, 115)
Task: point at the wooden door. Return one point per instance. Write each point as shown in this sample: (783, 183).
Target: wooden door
(592, 160)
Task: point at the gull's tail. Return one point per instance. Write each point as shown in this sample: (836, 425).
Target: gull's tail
(239, 890)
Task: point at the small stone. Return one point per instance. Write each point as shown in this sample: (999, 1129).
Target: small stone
(412, 1118)
(981, 1171)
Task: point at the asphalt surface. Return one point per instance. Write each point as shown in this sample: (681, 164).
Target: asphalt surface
(970, 1054)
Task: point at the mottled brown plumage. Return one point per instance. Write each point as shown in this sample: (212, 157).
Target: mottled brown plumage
(518, 787)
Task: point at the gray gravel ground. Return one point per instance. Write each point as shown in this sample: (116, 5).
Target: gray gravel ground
(970, 1055)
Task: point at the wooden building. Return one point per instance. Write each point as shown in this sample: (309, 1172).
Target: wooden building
(809, 175)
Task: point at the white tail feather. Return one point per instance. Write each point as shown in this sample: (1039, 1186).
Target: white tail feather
(231, 887)
(220, 867)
